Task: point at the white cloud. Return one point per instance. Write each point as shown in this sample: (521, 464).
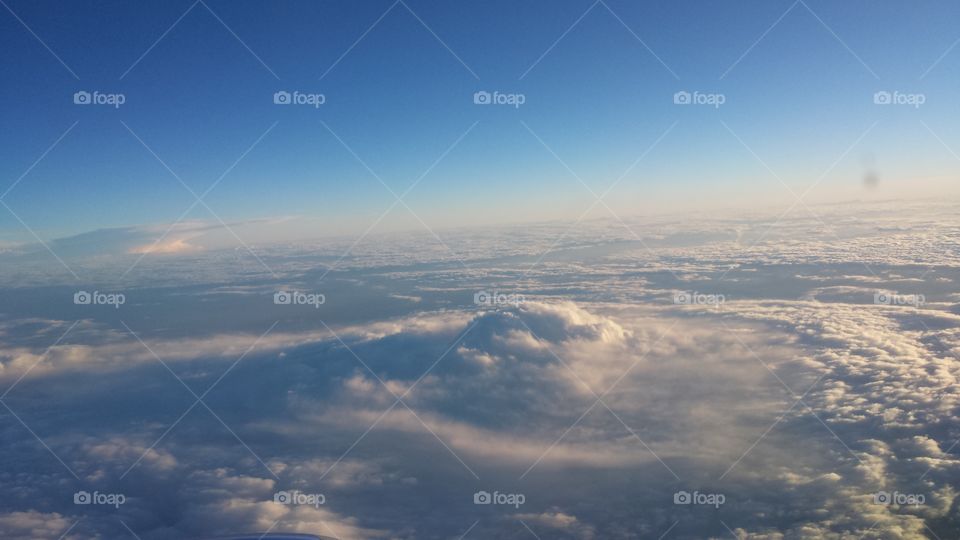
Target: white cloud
(699, 387)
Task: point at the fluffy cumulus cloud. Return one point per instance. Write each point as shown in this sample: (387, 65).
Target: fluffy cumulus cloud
(495, 396)
(796, 405)
(886, 391)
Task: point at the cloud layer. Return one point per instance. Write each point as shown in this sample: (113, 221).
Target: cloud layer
(598, 397)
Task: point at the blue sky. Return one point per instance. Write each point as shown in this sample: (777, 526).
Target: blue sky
(199, 99)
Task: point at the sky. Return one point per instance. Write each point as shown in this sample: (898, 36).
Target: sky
(398, 81)
(411, 270)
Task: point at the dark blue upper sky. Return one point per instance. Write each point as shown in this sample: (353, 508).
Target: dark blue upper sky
(203, 94)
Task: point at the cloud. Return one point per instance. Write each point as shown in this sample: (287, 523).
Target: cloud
(798, 399)
(563, 523)
(547, 359)
(166, 246)
(33, 524)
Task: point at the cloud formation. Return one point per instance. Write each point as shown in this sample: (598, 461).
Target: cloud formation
(800, 398)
